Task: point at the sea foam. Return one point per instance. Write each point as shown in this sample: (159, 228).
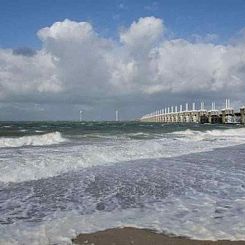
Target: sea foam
(200, 196)
(185, 198)
(33, 140)
(234, 135)
(43, 162)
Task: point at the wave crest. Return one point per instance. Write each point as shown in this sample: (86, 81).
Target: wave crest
(46, 162)
(194, 135)
(33, 140)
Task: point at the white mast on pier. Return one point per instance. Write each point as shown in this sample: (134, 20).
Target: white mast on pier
(202, 106)
(186, 107)
(213, 106)
(227, 104)
(193, 106)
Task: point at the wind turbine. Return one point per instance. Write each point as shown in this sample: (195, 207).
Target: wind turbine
(117, 116)
(81, 116)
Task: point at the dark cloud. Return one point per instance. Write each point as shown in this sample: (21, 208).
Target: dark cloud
(25, 51)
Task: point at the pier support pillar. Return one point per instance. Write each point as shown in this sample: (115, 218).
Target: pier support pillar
(223, 116)
(242, 111)
(209, 117)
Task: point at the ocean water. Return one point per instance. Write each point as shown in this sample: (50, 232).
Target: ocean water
(58, 179)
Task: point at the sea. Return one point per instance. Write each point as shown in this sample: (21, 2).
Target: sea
(59, 179)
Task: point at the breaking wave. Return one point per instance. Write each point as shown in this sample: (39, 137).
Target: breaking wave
(34, 140)
(37, 163)
(237, 134)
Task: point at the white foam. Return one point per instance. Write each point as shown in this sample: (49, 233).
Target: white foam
(39, 131)
(37, 163)
(186, 216)
(237, 134)
(23, 130)
(34, 140)
(211, 213)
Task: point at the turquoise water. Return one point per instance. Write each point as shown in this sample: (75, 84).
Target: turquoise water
(104, 128)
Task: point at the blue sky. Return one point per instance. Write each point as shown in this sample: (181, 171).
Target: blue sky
(21, 19)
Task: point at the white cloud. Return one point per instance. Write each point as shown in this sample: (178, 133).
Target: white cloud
(76, 62)
(27, 76)
(79, 55)
(143, 34)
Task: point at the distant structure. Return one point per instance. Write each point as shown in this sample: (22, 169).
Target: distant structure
(81, 115)
(117, 116)
(173, 115)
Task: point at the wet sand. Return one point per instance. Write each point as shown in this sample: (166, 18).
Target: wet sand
(133, 236)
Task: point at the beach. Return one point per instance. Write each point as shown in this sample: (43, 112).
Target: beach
(134, 236)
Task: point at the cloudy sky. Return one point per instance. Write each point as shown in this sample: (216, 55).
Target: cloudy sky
(59, 57)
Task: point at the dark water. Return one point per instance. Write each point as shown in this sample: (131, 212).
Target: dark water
(105, 128)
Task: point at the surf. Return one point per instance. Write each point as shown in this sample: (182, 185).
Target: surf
(33, 140)
(32, 163)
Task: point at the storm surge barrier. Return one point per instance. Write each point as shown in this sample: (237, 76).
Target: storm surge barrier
(175, 114)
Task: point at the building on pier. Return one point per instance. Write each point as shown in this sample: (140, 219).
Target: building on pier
(214, 115)
(227, 113)
(173, 115)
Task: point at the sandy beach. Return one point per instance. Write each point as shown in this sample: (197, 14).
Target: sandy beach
(134, 236)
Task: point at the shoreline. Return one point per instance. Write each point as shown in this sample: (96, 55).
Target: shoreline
(135, 236)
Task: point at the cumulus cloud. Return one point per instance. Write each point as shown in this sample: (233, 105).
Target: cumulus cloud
(143, 34)
(77, 64)
(182, 66)
(24, 75)
(80, 57)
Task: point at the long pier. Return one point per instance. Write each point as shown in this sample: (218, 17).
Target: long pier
(175, 114)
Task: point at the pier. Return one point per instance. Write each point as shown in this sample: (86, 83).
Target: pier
(175, 114)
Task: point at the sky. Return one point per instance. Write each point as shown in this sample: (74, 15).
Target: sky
(62, 56)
